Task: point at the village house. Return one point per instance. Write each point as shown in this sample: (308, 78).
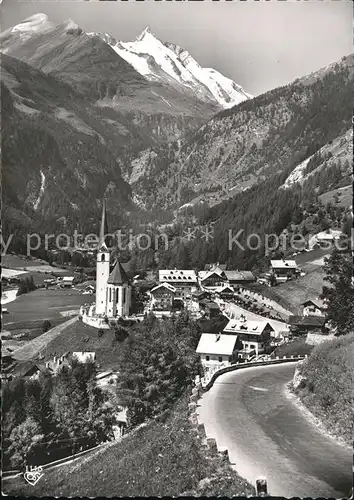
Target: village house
(255, 335)
(235, 278)
(213, 278)
(225, 292)
(313, 308)
(284, 269)
(212, 309)
(326, 239)
(201, 294)
(120, 426)
(66, 281)
(184, 281)
(301, 325)
(162, 297)
(12, 368)
(209, 308)
(217, 348)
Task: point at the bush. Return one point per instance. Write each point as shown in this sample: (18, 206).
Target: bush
(100, 332)
(46, 325)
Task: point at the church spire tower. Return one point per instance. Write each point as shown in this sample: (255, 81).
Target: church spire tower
(102, 265)
(103, 227)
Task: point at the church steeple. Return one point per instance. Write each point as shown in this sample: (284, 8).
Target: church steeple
(103, 228)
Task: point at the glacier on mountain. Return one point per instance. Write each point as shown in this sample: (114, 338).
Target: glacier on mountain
(166, 62)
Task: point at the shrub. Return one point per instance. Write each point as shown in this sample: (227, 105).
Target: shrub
(46, 325)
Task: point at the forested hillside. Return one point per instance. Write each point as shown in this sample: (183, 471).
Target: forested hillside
(269, 134)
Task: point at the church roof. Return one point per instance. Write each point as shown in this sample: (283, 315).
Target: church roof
(118, 276)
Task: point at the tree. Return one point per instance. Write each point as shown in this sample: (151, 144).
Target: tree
(272, 280)
(24, 443)
(158, 361)
(120, 333)
(339, 296)
(46, 325)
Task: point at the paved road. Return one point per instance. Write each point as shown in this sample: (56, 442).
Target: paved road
(266, 434)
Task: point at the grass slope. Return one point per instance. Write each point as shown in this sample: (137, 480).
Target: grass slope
(81, 337)
(343, 195)
(162, 458)
(328, 387)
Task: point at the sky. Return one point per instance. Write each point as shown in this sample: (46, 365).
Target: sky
(260, 45)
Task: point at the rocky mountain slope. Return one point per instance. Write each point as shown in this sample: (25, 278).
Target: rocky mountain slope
(248, 143)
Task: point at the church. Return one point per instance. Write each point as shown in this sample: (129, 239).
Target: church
(113, 288)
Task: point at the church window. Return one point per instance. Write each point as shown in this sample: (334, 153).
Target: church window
(102, 257)
(117, 295)
(124, 292)
(110, 294)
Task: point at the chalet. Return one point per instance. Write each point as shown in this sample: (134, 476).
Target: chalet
(225, 292)
(212, 309)
(184, 281)
(239, 277)
(201, 294)
(203, 303)
(120, 426)
(299, 325)
(22, 369)
(313, 308)
(284, 269)
(212, 279)
(217, 348)
(255, 335)
(162, 297)
(327, 238)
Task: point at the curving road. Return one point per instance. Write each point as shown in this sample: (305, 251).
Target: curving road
(248, 412)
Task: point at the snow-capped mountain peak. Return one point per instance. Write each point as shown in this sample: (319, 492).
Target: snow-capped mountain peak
(170, 63)
(146, 32)
(35, 23)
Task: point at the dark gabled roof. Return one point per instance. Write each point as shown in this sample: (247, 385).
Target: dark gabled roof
(200, 293)
(24, 368)
(318, 303)
(240, 275)
(306, 320)
(212, 305)
(118, 276)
